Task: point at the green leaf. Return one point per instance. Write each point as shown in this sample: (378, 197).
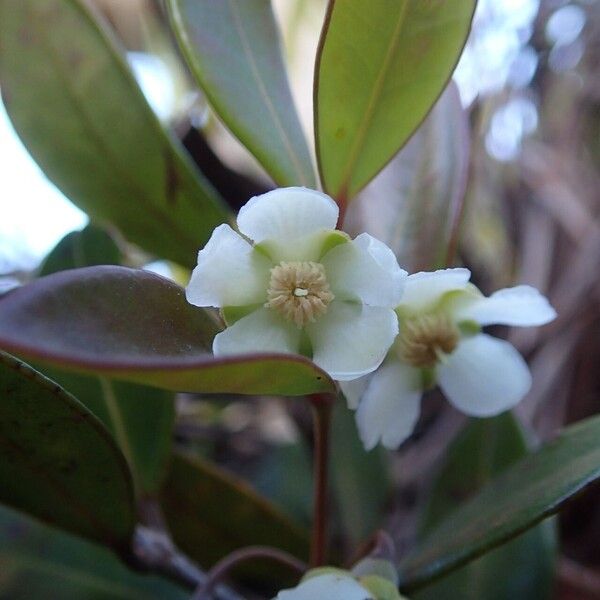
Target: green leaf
(233, 49)
(139, 417)
(360, 480)
(429, 175)
(86, 248)
(526, 493)
(77, 107)
(137, 326)
(380, 68)
(520, 569)
(211, 513)
(58, 462)
(39, 562)
(285, 477)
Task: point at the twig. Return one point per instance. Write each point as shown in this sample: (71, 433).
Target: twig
(222, 568)
(154, 552)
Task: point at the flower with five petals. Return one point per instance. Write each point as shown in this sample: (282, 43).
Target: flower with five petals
(441, 315)
(291, 283)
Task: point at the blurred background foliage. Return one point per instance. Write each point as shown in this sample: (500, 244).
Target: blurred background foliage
(510, 153)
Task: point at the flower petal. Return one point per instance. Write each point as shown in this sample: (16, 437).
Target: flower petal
(261, 331)
(365, 269)
(355, 389)
(425, 288)
(351, 340)
(390, 406)
(484, 376)
(285, 214)
(229, 272)
(522, 306)
(330, 586)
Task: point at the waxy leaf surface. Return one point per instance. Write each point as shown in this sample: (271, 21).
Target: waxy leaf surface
(520, 569)
(380, 68)
(58, 462)
(78, 109)
(139, 417)
(415, 206)
(137, 326)
(233, 49)
(533, 488)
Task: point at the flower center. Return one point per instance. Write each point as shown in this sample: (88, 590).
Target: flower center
(426, 339)
(299, 291)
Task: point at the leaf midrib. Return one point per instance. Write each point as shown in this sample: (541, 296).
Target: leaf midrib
(263, 92)
(361, 133)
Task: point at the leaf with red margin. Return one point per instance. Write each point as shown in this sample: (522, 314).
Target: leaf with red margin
(137, 326)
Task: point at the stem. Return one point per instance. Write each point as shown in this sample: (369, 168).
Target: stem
(220, 570)
(322, 420)
(154, 552)
(342, 202)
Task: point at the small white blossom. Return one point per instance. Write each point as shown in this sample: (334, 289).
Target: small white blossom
(291, 283)
(327, 583)
(329, 586)
(440, 341)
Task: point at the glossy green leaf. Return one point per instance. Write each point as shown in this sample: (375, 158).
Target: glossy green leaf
(134, 325)
(86, 248)
(78, 109)
(419, 221)
(380, 68)
(233, 49)
(39, 562)
(527, 492)
(139, 417)
(520, 569)
(210, 513)
(360, 480)
(58, 462)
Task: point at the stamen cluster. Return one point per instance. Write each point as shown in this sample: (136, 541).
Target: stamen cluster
(299, 291)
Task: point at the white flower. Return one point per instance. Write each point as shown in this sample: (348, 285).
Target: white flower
(328, 583)
(329, 586)
(294, 284)
(440, 341)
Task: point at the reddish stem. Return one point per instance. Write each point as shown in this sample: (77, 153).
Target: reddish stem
(222, 568)
(342, 202)
(321, 406)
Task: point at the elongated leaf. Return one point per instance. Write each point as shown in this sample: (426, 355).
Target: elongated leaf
(380, 68)
(532, 489)
(360, 480)
(39, 562)
(139, 417)
(415, 205)
(521, 569)
(86, 248)
(58, 462)
(233, 49)
(211, 513)
(79, 111)
(137, 326)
